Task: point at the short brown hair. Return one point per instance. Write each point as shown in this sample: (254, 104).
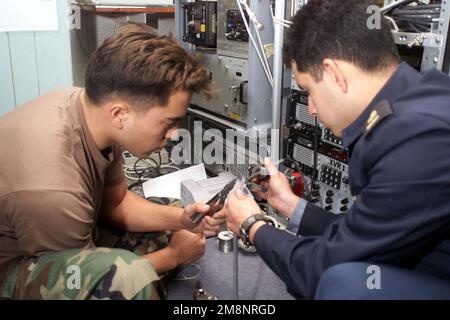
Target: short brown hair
(143, 69)
(338, 30)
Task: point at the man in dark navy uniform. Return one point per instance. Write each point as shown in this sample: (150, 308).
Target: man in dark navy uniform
(395, 123)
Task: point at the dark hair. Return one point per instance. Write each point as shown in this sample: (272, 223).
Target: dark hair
(143, 69)
(337, 29)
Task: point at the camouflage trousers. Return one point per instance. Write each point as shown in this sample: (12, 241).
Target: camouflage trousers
(111, 270)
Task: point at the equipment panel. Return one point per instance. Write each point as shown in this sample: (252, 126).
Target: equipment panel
(318, 154)
(231, 77)
(232, 36)
(200, 27)
(236, 30)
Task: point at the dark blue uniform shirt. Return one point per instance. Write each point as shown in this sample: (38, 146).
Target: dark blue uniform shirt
(399, 151)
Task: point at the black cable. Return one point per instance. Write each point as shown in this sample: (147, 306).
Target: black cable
(148, 172)
(418, 18)
(315, 150)
(153, 172)
(81, 45)
(134, 185)
(164, 171)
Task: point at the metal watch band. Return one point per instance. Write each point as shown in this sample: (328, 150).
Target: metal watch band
(244, 229)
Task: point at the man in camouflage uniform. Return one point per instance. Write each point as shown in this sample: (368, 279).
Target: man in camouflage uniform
(52, 244)
(103, 272)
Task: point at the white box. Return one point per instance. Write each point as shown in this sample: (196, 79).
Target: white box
(203, 190)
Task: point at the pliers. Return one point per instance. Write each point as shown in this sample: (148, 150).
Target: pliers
(216, 203)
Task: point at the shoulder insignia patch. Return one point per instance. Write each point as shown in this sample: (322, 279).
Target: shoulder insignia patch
(381, 111)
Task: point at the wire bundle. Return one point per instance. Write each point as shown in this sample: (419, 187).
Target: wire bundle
(146, 169)
(416, 16)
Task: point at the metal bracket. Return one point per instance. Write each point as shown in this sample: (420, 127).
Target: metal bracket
(201, 294)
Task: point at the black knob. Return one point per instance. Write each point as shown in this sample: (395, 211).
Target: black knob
(345, 180)
(315, 193)
(314, 200)
(328, 208)
(330, 193)
(329, 200)
(344, 201)
(344, 208)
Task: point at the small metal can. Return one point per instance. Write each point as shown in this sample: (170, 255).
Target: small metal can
(225, 241)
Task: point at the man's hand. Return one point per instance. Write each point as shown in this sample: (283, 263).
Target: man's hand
(238, 208)
(187, 246)
(277, 190)
(184, 247)
(211, 225)
(189, 211)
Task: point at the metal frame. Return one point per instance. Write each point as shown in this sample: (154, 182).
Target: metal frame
(280, 10)
(436, 44)
(256, 113)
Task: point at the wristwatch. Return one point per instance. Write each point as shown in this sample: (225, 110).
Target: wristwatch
(244, 228)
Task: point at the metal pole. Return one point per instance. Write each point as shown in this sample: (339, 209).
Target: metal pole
(280, 7)
(235, 268)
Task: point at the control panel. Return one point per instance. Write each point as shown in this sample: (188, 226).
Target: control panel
(232, 35)
(231, 76)
(314, 150)
(200, 27)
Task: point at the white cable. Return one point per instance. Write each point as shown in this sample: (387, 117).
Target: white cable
(258, 26)
(140, 167)
(170, 162)
(284, 23)
(251, 14)
(267, 72)
(393, 22)
(281, 23)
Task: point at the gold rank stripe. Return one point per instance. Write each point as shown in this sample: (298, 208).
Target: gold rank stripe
(374, 117)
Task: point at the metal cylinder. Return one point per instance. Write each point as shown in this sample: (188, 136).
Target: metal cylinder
(280, 6)
(225, 242)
